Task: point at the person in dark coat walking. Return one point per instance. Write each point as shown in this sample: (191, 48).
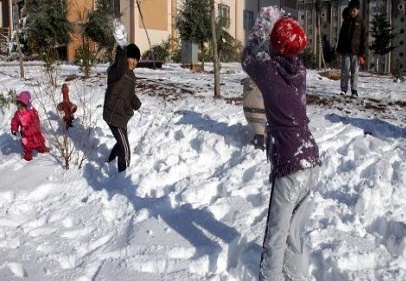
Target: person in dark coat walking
(280, 75)
(120, 100)
(352, 44)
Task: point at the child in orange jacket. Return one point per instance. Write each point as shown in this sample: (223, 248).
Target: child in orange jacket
(25, 123)
(67, 107)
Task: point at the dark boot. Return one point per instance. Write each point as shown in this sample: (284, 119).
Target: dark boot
(113, 154)
(259, 142)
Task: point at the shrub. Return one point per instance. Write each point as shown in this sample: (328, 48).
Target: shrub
(309, 59)
(85, 58)
(397, 73)
(7, 99)
(168, 50)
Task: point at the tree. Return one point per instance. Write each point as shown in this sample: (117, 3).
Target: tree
(320, 6)
(229, 49)
(382, 32)
(194, 23)
(216, 62)
(48, 26)
(99, 26)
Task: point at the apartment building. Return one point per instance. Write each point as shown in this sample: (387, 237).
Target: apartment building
(329, 16)
(77, 11)
(331, 21)
(150, 22)
(395, 10)
(157, 18)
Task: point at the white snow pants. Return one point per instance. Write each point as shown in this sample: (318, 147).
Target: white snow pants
(289, 209)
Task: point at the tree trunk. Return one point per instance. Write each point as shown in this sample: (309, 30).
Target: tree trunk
(203, 51)
(377, 64)
(20, 53)
(216, 66)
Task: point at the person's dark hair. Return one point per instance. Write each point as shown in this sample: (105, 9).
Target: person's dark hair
(346, 13)
(133, 51)
(354, 4)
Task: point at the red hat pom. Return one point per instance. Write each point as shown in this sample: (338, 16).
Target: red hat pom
(288, 37)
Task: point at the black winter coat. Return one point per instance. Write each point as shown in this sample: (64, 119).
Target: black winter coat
(120, 100)
(353, 37)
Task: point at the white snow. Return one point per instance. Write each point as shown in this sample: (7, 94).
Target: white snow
(193, 203)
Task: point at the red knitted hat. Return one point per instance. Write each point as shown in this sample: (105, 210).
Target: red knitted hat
(288, 37)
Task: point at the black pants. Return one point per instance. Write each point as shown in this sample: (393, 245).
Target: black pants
(121, 149)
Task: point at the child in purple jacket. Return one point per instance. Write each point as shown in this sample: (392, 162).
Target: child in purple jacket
(271, 59)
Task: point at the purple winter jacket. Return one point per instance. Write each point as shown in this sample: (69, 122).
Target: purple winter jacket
(282, 82)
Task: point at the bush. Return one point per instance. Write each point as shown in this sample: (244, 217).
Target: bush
(85, 58)
(160, 52)
(309, 59)
(7, 99)
(168, 50)
(229, 49)
(397, 73)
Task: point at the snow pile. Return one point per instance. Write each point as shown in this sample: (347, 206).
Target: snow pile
(193, 204)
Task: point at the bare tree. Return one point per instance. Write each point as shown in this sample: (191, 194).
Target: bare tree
(319, 5)
(216, 63)
(74, 145)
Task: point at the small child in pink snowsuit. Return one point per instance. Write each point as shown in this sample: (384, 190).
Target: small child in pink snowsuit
(67, 107)
(26, 121)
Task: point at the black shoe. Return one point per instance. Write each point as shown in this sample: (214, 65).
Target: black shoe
(259, 142)
(354, 93)
(111, 158)
(68, 125)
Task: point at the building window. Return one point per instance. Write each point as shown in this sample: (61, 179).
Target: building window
(224, 15)
(290, 3)
(248, 19)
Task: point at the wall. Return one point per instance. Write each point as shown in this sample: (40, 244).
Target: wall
(77, 12)
(157, 16)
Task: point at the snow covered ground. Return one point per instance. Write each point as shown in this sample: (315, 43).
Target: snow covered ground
(193, 204)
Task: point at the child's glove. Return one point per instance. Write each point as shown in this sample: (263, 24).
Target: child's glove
(119, 33)
(16, 134)
(361, 60)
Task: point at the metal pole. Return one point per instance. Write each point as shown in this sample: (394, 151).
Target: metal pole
(146, 32)
(10, 7)
(389, 9)
(20, 53)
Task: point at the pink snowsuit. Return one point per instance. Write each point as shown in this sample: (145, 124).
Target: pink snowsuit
(28, 123)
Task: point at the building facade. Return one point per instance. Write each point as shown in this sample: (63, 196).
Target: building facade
(157, 18)
(395, 11)
(330, 21)
(151, 22)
